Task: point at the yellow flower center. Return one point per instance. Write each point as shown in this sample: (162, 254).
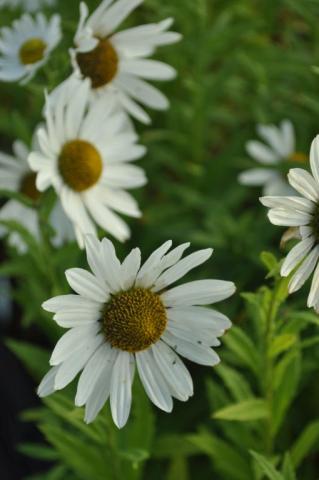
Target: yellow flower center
(100, 64)
(28, 188)
(134, 320)
(298, 157)
(80, 165)
(32, 51)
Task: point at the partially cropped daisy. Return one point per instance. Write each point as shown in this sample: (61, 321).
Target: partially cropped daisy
(303, 213)
(16, 176)
(86, 153)
(275, 156)
(118, 62)
(27, 5)
(26, 46)
(128, 315)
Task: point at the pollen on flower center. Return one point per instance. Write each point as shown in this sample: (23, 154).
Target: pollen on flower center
(100, 64)
(32, 51)
(134, 320)
(80, 165)
(28, 187)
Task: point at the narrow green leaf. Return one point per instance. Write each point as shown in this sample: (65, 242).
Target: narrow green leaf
(242, 346)
(281, 343)
(247, 410)
(307, 441)
(288, 470)
(34, 358)
(266, 466)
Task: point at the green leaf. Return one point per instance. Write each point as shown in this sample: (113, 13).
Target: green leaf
(288, 470)
(84, 458)
(266, 466)
(281, 343)
(34, 358)
(178, 469)
(227, 460)
(171, 445)
(19, 197)
(271, 263)
(235, 382)
(241, 345)
(307, 441)
(247, 410)
(39, 451)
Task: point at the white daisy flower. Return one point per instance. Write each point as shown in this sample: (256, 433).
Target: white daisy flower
(118, 63)
(86, 153)
(27, 5)
(26, 46)
(16, 176)
(303, 213)
(126, 315)
(273, 155)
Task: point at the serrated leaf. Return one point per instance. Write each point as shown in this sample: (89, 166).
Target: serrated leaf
(247, 410)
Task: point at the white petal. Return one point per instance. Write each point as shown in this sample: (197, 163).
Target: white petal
(199, 317)
(72, 340)
(314, 158)
(76, 361)
(296, 254)
(148, 272)
(115, 14)
(149, 69)
(101, 391)
(292, 203)
(313, 297)
(46, 386)
(304, 183)
(94, 255)
(173, 370)
(69, 302)
(112, 267)
(77, 318)
(288, 218)
(91, 373)
(121, 388)
(153, 381)
(198, 292)
(194, 352)
(261, 153)
(304, 271)
(182, 268)
(256, 176)
(87, 285)
(130, 267)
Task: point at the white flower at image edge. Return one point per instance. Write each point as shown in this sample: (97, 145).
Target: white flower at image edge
(301, 212)
(26, 46)
(86, 152)
(278, 149)
(126, 316)
(27, 5)
(117, 63)
(16, 176)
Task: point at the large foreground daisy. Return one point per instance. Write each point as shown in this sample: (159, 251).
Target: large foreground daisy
(118, 63)
(86, 153)
(274, 156)
(303, 213)
(127, 315)
(26, 46)
(16, 176)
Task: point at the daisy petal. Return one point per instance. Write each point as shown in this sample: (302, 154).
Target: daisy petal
(121, 388)
(198, 293)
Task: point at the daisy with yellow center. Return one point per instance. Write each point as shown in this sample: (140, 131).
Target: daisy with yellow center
(26, 46)
(86, 152)
(16, 176)
(126, 315)
(118, 63)
(275, 157)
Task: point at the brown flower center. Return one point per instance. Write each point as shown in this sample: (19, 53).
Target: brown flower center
(80, 165)
(28, 188)
(134, 320)
(100, 64)
(32, 51)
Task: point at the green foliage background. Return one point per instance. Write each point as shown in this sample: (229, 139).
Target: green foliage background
(256, 415)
